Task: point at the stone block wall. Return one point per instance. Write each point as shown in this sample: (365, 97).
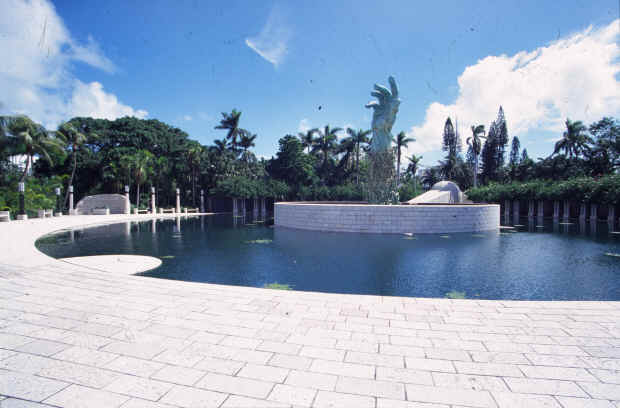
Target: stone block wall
(395, 219)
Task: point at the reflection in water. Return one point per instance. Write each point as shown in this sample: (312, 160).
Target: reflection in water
(515, 264)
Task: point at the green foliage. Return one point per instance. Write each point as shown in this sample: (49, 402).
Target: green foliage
(278, 286)
(456, 295)
(39, 194)
(604, 190)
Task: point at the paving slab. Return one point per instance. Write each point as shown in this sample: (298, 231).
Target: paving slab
(78, 333)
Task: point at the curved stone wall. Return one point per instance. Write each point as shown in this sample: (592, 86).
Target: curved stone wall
(390, 219)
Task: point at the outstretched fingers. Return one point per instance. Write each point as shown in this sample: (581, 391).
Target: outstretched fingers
(393, 86)
(383, 90)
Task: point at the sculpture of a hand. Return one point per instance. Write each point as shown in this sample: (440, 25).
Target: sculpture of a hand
(384, 115)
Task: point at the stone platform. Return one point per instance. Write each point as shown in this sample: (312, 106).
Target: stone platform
(74, 337)
(388, 219)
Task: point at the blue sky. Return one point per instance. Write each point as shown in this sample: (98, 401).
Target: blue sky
(184, 62)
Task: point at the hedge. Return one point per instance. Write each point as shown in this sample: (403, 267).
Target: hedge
(603, 190)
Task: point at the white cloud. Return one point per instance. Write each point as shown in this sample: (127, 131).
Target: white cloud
(187, 117)
(91, 100)
(272, 41)
(37, 53)
(574, 77)
(304, 125)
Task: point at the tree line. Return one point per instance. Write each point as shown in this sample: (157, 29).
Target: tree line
(328, 163)
(582, 151)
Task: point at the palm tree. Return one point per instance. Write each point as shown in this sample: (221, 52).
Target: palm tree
(75, 139)
(230, 122)
(32, 139)
(346, 146)
(476, 146)
(401, 141)
(412, 169)
(359, 137)
(140, 167)
(194, 154)
(574, 141)
(325, 143)
(431, 175)
(219, 146)
(414, 162)
(307, 139)
(247, 140)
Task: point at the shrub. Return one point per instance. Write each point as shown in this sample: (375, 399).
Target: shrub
(604, 190)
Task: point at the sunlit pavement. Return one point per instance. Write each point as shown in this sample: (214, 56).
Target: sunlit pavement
(71, 336)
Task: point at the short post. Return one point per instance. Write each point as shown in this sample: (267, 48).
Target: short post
(515, 212)
(611, 217)
(506, 210)
(21, 188)
(541, 211)
(202, 201)
(566, 212)
(582, 212)
(178, 207)
(153, 207)
(58, 211)
(593, 212)
(556, 211)
(530, 209)
(127, 202)
(71, 211)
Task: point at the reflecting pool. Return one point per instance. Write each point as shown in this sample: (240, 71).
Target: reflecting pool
(551, 261)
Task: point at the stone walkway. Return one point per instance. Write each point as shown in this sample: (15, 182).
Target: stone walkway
(75, 337)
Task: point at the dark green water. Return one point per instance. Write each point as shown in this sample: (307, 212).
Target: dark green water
(572, 263)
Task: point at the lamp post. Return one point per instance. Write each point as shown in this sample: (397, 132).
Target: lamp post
(127, 202)
(202, 201)
(21, 188)
(153, 207)
(58, 211)
(178, 206)
(71, 200)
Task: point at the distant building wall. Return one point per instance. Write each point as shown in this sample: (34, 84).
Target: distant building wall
(417, 219)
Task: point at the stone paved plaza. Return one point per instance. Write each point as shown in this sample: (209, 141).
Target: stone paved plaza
(71, 336)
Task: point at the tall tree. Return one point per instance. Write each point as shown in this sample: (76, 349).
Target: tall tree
(451, 144)
(360, 137)
(514, 151)
(194, 155)
(326, 143)
(475, 143)
(307, 138)
(401, 142)
(75, 139)
(32, 139)
(140, 166)
(414, 163)
(574, 140)
(606, 133)
(502, 137)
(230, 122)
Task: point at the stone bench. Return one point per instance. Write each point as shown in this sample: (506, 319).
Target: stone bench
(191, 210)
(45, 213)
(138, 211)
(5, 216)
(166, 210)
